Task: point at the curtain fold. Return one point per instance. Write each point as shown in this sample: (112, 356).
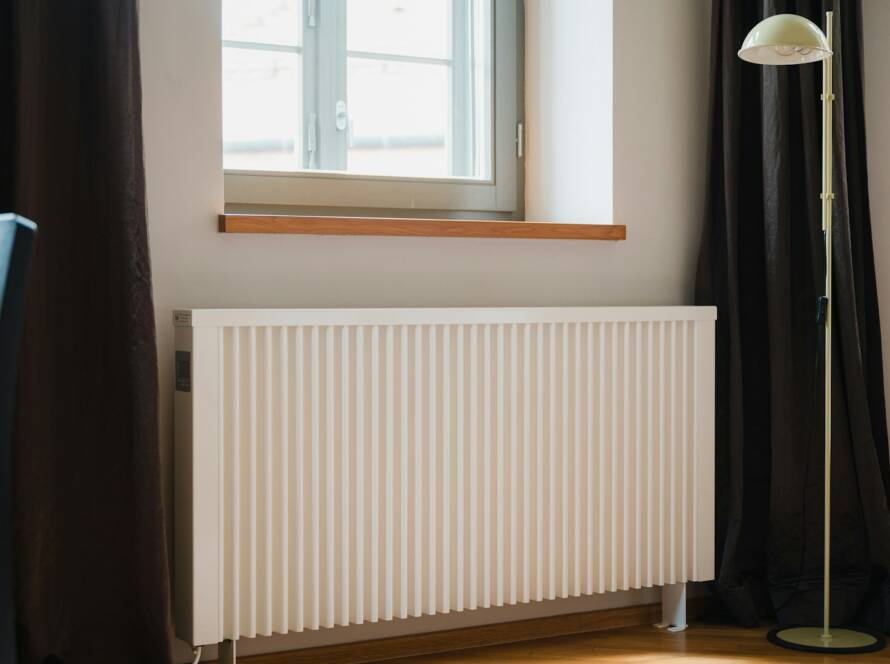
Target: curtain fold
(762, 263)
(90, 550)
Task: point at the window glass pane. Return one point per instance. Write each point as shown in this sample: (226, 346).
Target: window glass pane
(399, 115)
(263, 21)
(400, 27)
(262, 110)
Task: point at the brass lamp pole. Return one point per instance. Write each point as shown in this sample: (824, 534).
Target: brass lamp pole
(789, 39)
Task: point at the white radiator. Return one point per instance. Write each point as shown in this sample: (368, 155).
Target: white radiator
(335, 467)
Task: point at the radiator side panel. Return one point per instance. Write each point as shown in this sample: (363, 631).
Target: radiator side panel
(183, 490)
(198, 489)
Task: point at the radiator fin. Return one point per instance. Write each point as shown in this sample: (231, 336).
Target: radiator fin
(369, 472)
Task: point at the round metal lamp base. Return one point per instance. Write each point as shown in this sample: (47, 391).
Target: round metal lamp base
(842, 641)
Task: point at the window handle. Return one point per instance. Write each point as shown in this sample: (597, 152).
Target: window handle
(341, 117)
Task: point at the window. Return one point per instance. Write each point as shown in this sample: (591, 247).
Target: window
(395, 104)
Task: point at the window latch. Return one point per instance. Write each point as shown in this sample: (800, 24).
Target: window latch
(311, 18)
(341, 117)
(312, 140)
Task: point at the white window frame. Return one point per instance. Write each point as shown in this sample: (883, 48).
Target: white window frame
(499, 194)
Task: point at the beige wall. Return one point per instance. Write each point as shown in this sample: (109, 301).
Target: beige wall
(569, 111)
(876, 29)
(659, 149)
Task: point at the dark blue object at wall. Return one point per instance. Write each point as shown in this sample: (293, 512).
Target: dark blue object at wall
(16, 241)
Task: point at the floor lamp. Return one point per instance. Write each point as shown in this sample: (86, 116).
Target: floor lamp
(789, 39)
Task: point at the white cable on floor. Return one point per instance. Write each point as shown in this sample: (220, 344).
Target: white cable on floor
(197, 652)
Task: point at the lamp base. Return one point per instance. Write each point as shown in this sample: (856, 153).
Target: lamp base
(842, 642)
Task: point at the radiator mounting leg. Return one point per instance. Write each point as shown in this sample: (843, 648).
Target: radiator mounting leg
(227, 652)
(673, 607)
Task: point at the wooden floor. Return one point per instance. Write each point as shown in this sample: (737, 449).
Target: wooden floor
(645, 645)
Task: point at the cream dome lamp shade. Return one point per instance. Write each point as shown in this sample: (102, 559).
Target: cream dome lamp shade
(785, 39)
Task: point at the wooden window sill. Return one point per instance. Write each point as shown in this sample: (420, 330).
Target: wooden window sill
(390, 226)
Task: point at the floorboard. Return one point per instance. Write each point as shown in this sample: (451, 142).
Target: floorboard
(704, 644)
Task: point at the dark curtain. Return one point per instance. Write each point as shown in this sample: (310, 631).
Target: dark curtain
(89, 543)
(762, 264)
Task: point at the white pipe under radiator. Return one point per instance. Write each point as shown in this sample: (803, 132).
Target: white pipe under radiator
(335, 467)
